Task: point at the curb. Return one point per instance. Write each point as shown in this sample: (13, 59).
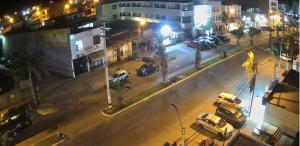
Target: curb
(176, 83)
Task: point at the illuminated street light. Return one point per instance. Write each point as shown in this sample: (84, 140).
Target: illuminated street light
(96, 1)
(71, 2)
(142, 22)
(165, 30)
(231, 11)
(11, 20)
(67, 6)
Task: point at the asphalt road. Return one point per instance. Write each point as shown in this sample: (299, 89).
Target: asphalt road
(154, 122)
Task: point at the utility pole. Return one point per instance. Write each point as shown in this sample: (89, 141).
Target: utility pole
(182, 128)
(103, 29)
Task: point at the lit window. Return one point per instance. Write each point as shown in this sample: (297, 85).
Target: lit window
(78, 45)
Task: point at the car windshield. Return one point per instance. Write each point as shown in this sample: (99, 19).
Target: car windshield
(221, 123)
(115, 75)
(145, 65)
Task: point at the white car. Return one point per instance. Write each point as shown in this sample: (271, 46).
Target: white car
(215, 124)
(230, 99)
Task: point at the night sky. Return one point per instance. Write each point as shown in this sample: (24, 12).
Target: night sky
(9, 6)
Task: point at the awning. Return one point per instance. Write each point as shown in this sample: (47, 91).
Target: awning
(96, 55)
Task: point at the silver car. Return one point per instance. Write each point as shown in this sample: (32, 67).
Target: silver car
(215, 124)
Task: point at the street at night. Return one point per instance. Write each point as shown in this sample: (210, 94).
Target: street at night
(149, 73)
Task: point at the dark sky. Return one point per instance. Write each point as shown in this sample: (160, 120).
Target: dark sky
(9, 6)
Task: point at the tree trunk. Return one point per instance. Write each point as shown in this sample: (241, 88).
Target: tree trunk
(270, 38)
(197, 58)
(251, 40)
(164, 69)
(32, 88)
(275, 70)
(238, 42)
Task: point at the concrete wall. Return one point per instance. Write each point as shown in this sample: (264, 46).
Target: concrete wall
(86, 38)
(55, 44)
(287, 121)
(112, 52)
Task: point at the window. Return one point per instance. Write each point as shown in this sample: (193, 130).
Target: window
(163, 6)
(163, 17)
(78, 45)
(96, 39)
(156, 5)
(156, 16)
(114, 6)
(186, 7)
(134, 14)
(115, 16)
(187, 19)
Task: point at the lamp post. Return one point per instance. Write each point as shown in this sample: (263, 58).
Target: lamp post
(140, 29)
(104, 29)
(182, 128)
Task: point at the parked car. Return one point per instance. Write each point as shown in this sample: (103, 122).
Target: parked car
(147, 69)
(215, 124)
(232, 115)
(14, 119)
(230, 99)
(191, 44)
(223, 38)
(120, 75)
(206, 39)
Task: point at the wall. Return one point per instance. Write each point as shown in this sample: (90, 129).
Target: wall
(55, 44)
(287, 121)
(86, 38)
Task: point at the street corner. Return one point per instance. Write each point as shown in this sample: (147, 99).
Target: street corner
(46, 109)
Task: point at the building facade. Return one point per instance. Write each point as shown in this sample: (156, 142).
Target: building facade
(233, 11)
(66, 53)
(172, 13)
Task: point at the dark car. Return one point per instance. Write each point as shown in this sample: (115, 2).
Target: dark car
(224, 38)
(15, 119)
(147, 69)
(191, 44)
(232, 115)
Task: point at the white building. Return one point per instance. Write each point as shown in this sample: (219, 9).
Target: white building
(172, 13)
(273, 6)
(233, 11)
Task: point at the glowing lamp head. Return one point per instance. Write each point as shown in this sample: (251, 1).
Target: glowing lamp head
(142, 22)
(231, 11)
(165, 30)
(67, 6)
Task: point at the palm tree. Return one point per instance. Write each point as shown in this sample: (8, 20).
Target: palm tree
(225, 19)
(277, 31)
(198, 55)
(270, 36)
(276, 51)
(252, 32)
(4, 139)
(119, 86)
(238, 34)
(250, 67)
(158, 43)
(28, 64)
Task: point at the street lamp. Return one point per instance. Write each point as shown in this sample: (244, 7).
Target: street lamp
(67, 6)
(142, 23)
(11, 20)
(182, 128)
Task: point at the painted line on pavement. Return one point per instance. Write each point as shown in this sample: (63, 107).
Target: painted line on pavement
(176, 83)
